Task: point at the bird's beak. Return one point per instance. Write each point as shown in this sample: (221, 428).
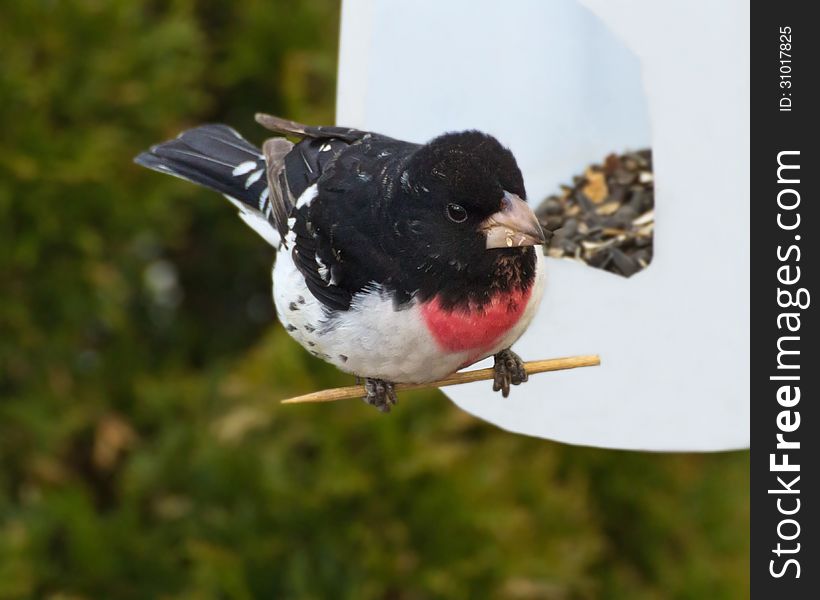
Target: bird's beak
(513, 226)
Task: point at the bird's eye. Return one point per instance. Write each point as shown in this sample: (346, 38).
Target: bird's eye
(456, 213)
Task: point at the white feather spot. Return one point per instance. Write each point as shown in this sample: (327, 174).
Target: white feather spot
(245, 167)
(324, 148)
(323, 271)
(253, 178)
(307, 197)
(263, 198)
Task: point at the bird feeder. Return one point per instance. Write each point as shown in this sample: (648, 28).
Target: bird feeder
(564, 83)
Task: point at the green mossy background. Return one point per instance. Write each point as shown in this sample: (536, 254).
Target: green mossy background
(141, 453)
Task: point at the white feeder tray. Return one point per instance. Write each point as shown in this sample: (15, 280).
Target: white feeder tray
(563, 84)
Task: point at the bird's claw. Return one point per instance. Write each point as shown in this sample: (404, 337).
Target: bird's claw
(380, 393)
(509, 369)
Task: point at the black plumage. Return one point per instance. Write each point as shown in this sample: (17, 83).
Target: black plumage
(380, 211)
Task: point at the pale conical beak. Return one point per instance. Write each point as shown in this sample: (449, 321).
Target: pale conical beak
(513, 226)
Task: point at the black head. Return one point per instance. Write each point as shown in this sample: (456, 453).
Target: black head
(464, 206)
(471, 165)
(469, 169)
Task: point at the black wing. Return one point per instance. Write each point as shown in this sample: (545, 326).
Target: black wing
(335, 231)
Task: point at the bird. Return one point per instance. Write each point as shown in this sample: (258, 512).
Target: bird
(397, 262)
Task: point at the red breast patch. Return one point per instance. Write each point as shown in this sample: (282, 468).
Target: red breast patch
(463, 329)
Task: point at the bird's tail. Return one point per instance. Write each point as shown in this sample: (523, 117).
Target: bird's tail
(217, 157)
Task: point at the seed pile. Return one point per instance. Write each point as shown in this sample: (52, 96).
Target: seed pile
(606, 217)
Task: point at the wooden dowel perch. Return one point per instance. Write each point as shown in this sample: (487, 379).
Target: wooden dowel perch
(533, 367)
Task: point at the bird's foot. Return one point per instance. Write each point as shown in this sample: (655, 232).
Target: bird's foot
(509, 369)
(380, 393)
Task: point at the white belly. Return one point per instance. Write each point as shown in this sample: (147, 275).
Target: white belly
(372, 339)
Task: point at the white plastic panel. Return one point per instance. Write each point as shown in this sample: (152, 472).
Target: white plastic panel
(562, 85)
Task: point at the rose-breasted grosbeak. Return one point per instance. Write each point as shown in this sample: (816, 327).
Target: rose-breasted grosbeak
(396, 262)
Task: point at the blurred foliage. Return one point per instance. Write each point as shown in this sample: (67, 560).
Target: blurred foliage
(141, 452)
